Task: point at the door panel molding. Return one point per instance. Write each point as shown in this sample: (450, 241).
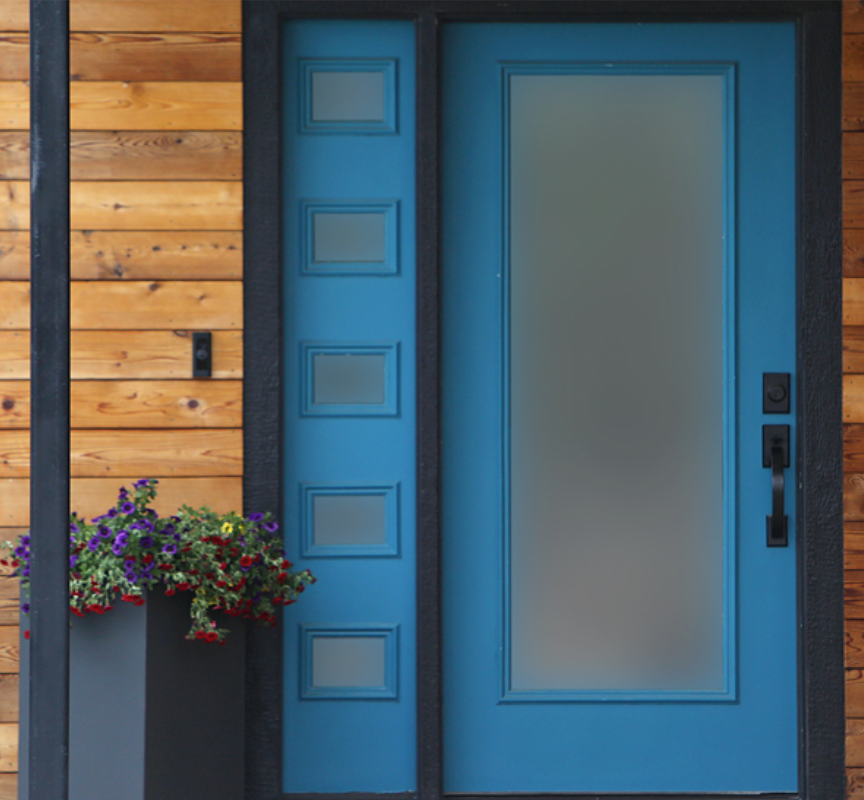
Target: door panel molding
(819, 452)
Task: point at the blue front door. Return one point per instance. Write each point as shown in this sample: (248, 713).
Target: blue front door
(618, 275)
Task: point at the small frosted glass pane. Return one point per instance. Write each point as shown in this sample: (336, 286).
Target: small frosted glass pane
(347, 96)
(349, 519)
(349, 379)
(348, 661)
(349, 237)
(616, 382)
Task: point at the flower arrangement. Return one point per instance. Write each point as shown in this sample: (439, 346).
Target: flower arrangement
(231, 564)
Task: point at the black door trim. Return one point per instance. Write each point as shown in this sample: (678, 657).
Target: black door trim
(819, 536)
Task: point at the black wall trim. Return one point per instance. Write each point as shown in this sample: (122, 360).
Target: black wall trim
(818, 382)
(49, 435)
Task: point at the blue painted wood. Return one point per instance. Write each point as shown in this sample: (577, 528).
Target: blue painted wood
(615, 742)
(353, 743)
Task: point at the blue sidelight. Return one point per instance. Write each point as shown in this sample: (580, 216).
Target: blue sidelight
(348, 217)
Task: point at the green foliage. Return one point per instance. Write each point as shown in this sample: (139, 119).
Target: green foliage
(231, 564)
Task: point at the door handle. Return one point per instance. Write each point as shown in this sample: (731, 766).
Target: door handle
(775, 454)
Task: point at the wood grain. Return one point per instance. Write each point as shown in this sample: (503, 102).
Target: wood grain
(853, 545)
(14, 205)
(8, 697)
(853, 253)
(93, 496)
(854, 651)
(14, 404)
(853, 204)
(853, 497)
(853, 57)
(9, 605)
(854, 784)
(154, 56)
(15, 105)
(156, 305)
(155, 404)
(853, 16)
(155, 205)
(136, 305)
(854, 602)
(8, 747)
(853, 447)
(135, 155)
(128, 355)
(135, 404)
(853, 349)
(8, 786)
(853, 398)
(154, 15)
(14, 15)
(9, 649)
(853, 301)
(855, 743)
(136, 255)
(14, 55)
(100, 453)
(146, 106)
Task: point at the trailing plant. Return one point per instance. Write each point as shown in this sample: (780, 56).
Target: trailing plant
(231, 564)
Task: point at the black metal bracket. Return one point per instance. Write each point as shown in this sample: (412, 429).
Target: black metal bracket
(202, 354)
(775, 454)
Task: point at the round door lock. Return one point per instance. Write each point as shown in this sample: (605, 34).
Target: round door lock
(777, 393)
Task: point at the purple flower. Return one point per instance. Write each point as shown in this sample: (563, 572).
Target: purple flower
(146, 525)
(20, 551)
(25, 540)
(131, 576)
(256, 517)
(104, 532)
(25, 607)
(127, 508)
(72, 560)
(170, 549)
(112, 512)
(124, 493)
(73, 528)
(26, 571)
(93, 544)
(117, 549)
(271, 526)
(144, 482)
(176, 537)
(71, 540)
(146, 541)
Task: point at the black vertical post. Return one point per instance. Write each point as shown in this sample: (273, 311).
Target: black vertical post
(49, 435)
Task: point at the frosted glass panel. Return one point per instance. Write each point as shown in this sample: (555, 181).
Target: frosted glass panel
(349, 237)
(347, 96)
(348, 661)
(616, 382)
(349, 519)
(349, 379)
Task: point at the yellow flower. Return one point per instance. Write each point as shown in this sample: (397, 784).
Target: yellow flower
(227, 527)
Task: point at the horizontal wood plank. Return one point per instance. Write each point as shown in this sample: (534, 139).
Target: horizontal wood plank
(853, 398)
(14, 53)
(853, 497)
(157, 305)
(854, 783)
(128, 355)
(102, 453)
(9, 605)
(853, 301)
(853, 447)
(135, 255)
(853, 16)
(135, 404)
(853, 57)
(853, 594)
(135, 155)
(854, 651)
(93, 496)
(8, 747)
(14, 205)
(136, 305)
(146, 106)
(155, 15)
(853, 545)
(15, 105)
(15, 15)
(855, 743)
(853, 204)
(853, 253)
(853, 349)
(9, 649)
(8, 699)
(156, 205)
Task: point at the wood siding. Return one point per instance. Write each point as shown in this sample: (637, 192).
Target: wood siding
(157, 252)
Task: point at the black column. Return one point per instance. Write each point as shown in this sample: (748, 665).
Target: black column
(49, 435)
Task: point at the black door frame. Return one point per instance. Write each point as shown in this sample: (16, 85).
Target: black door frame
(819, 497)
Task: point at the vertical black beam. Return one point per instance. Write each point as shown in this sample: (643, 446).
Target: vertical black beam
(820, 436)
(429, 720)
(49, 435)
(262, 359)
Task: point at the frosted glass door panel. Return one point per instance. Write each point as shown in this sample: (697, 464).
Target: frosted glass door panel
(347, 96)
(616, 382)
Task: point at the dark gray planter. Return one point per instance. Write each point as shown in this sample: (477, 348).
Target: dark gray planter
(152, 715)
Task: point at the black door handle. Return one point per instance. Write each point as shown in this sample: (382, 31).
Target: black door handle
(775, 454)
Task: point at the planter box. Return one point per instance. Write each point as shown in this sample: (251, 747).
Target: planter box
(152, 715)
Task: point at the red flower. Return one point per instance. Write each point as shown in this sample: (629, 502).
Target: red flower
(183, 586)
(193, 571)
(246, 561)
(200, 634)
(129, 598)
(223, 566)
(26, 634)
(139, 601)
(76, 611)
(209, 576)
(286, 564)
(169, 592)
(148, 558)
(220, 584)
(164, 566)
(212, 636)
